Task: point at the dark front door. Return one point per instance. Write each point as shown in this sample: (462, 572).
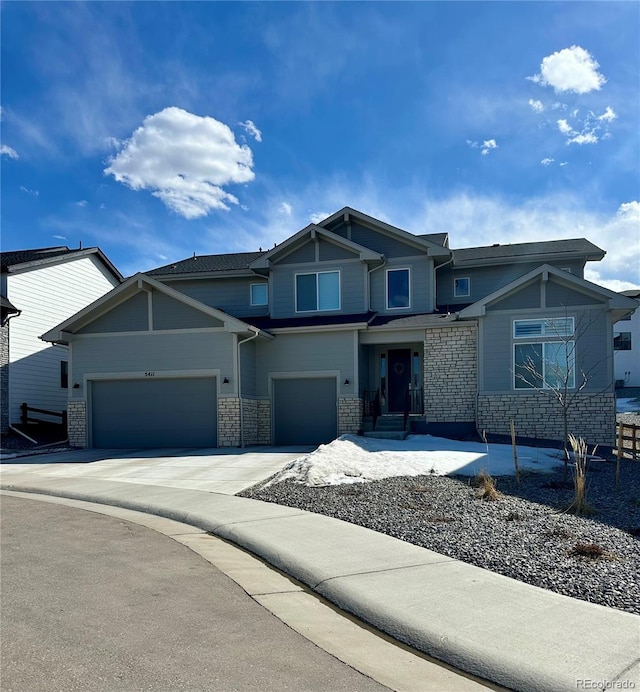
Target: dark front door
(399, 378)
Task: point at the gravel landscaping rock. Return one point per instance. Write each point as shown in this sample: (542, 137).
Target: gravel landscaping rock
(525, 534)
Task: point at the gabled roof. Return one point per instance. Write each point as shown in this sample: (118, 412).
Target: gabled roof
(313, 231)
(205, 264)
(575, 248)
(616, 301)
(437, 238)
(60, 333)
(435, 249)
(15, 261)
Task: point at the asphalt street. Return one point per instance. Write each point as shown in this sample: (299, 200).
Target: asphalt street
(91, 602)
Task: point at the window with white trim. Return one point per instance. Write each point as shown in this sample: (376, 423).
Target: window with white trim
(259, 294)
(318, 291)
(461, 287)
(398, 292)
(548, 362)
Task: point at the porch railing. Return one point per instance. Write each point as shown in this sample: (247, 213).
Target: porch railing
(371, 405)
(414, 403)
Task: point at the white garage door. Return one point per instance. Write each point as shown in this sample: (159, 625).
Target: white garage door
(154, 412)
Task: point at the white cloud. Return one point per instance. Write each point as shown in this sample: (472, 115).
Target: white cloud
(82, 203)
(564, 163)
(286, 209)
(547, 161)
(319, 216)
(473, 221)
(536, 105)
(6, 150)
(564, 127)
(185, 160)
(33, 193)
(608, 116)
(251, 129)
(570, 69)
(583, 138)
(60, 237)
(487, 145)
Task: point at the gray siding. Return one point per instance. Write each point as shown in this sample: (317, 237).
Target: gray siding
(248, 368)
(525, 298)
(558, 295)
(593, 348)
(172, 314)
(384, 244)
(130, 316)
(486, 280)
(230, 295)
(352, 288)
(421, 286)
(329, 252)
(152, 353)
(304, 353)
(305, 253)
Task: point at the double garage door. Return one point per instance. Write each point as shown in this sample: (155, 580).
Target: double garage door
(304, 411)
(149, 413)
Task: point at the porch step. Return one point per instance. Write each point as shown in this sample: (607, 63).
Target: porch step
(387, 434)
(385, 423)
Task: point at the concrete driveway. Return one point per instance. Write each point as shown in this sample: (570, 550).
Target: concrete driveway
(226, 470)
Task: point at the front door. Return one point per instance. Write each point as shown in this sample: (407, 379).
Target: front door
(399, 378)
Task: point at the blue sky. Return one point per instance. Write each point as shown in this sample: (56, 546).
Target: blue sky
(155, 130)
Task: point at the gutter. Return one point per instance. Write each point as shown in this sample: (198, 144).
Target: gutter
(369, 272)
(256, 333)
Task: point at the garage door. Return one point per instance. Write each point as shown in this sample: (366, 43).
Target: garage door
(154, 413)
(304, 411)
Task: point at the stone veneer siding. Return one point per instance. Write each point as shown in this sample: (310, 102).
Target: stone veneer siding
(4, 378)
(450, 373)
(349, 416)
(264, 421)
(250, 421)
(538, 415)
(228, 422)
(77, 422)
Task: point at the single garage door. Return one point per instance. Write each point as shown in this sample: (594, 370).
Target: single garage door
(154, 413)
(304, 411)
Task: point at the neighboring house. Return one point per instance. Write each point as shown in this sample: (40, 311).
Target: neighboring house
(46, 286)
(288, 346)
(626, 347)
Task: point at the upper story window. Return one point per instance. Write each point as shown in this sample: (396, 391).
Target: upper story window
(622, 341)
(318, 291)
(398, 295)
(461, 287)
(259, 294)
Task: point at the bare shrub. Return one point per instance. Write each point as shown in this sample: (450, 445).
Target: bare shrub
(486, 487)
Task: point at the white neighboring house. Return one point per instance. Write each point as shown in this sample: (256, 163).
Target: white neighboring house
(626, 347)
(42, 287)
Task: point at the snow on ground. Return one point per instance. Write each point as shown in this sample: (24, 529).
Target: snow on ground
(628, 405)
(351, 459)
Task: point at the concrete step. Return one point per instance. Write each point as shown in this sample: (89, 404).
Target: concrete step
(387, 434)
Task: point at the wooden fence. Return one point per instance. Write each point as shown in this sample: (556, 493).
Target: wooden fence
(628, 441)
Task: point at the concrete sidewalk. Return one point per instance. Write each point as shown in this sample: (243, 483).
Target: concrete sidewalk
(499, 629)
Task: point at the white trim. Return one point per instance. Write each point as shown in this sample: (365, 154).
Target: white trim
(386, 288)
(317, 273)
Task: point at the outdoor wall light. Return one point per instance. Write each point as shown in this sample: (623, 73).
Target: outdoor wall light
(225, 381)
(347, 381)
(76, 385)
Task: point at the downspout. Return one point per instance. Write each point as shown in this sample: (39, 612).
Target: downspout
(244, 341)
(375, 269)
(435, 281)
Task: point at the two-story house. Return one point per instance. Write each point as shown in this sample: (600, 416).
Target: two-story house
(347, 317)
(626, 347)
(40, 288)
